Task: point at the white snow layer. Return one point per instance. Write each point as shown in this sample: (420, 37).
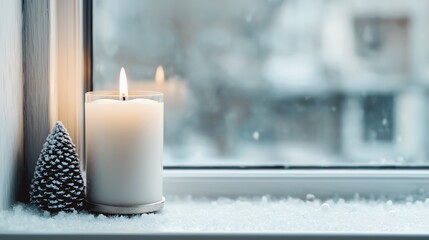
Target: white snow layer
(264, 214)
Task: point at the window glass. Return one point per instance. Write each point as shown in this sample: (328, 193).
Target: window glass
(275, 82)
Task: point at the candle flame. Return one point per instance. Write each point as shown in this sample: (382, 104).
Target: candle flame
(159, 74)
(123, 88)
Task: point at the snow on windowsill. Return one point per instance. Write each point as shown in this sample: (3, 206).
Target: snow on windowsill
(264, 214)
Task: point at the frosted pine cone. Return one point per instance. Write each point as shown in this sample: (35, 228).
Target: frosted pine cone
(57, 183)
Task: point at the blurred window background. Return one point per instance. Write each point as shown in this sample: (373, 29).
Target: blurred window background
(276, 82)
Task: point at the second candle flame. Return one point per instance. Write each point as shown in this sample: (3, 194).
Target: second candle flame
(159, 74)
(123, 88)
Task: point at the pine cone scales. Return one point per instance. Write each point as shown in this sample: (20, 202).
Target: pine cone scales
(57, 183)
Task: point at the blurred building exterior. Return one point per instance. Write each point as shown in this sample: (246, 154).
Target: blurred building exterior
(300, 82)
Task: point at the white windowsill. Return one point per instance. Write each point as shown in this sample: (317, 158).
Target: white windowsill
(252, 214)
(262, 216)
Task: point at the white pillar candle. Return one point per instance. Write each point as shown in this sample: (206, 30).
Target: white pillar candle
(124, 146)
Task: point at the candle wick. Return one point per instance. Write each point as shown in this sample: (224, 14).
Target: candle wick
(124, 98)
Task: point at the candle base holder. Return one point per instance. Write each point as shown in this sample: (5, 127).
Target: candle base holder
(131, 209)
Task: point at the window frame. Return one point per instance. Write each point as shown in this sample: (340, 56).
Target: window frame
(322, 183)
(282, 181)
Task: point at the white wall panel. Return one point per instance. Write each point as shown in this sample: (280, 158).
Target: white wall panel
(11, 100)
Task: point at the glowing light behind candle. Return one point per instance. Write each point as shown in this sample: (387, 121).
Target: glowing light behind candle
(174, 88)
